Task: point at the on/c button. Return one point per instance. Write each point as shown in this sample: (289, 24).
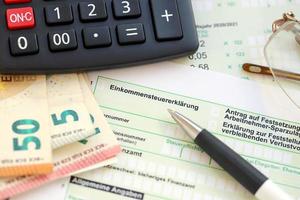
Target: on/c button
(20, 18)
(16, 1)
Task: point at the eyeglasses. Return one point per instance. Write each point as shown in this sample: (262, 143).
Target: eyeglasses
(282, 54)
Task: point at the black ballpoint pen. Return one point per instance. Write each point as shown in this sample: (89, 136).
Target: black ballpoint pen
(240, 169)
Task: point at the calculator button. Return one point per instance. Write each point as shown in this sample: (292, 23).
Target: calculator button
(62, 40)
(61, 14)
(23, 44)
(96, 37)
(20, 18)
(92, 11)
(131, 34)
(166, 19)
(126, 8)
(16, 1)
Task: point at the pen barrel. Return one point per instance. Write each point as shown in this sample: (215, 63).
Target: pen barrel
(230, 161)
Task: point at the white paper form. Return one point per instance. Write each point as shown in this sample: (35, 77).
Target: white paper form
(160, 162)
(54, 190)
(58, 188)
(233, 32)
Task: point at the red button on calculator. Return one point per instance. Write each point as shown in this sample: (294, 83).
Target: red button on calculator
(20, 18)
(16, 1)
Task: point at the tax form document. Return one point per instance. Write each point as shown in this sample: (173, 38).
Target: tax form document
(233, 32)
(58, 188)
(159, 161)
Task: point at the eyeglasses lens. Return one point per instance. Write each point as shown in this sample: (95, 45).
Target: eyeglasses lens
(282, 53)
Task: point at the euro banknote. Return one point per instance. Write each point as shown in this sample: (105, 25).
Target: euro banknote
(69, 116)
(69, 159)
(25, 137)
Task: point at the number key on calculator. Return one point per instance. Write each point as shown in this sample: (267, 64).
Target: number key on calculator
(53, 36)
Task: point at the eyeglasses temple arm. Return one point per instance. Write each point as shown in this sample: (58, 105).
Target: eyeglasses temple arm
(258, 69)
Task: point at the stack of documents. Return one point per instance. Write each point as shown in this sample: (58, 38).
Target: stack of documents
(42, 119)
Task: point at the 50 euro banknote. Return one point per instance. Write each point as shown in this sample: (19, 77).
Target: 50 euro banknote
(25, 137)
(72, 158)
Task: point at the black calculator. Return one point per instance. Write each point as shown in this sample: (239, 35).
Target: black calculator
(54, 36)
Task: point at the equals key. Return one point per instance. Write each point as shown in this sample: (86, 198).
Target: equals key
(131, 31)
(131, 34)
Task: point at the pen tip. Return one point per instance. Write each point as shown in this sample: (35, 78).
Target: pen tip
(172, 112)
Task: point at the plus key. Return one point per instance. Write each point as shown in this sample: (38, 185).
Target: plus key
(167, 15)
(166, 20)
(20, 18)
